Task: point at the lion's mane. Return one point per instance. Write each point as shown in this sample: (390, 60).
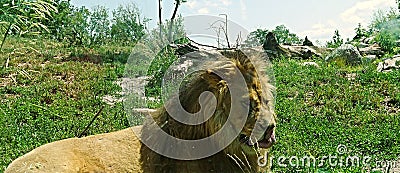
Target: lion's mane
(233, 158)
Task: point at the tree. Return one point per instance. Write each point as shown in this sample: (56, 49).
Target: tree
(99, 26)
(256, 38)
(76, 31)
(360, 32)
(336, 40)
(177, 4)
(24, 17)
(282, 34)
(60, 19)
(128, 25)
(171, 21)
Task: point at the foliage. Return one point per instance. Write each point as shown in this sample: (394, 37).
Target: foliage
(360, 32)
(60, 20)
(99, 26)
(76, 31)
(387, 30)
(282, 34)
(380, 19)
(24, 17)
(336, 40)
(256, 38)
(166, 55)
(128, 25)
(388, 39)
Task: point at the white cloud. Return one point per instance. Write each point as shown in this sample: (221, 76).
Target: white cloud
(226, 2)
(320, 30)
(362, 11)
(191, 4)
(203, 11)
(205, 6)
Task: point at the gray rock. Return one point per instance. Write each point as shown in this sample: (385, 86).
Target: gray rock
(389, 64)
(370, 58)
(347, 53)
(310, 64)
(373, 49)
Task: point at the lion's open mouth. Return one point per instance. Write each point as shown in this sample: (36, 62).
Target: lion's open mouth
(267, 140)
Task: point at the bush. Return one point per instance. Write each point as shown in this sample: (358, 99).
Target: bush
(99, 26)
(336, 40)
(128, 25)
(281, 32)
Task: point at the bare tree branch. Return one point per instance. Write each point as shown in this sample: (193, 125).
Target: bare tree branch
(177, 3)
(160, 17)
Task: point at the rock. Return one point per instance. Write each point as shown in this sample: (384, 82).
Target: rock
(370, 58)
(380, 67)
(373, 49)
(362, 45)
(310, 64)
(272, 47)
(303, 52)
(270, 41)
(307, 42)
(389, 64)
(367, 40)
(274, 50)
(346, 52)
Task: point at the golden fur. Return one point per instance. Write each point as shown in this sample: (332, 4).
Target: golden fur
(122, 152)
(237, 157)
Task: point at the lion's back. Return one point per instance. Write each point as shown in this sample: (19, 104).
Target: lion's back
(110, 152)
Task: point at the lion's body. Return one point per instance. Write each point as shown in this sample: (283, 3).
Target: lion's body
(110, 152)
(123, 152)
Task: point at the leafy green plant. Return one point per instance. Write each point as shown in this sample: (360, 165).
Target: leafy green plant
(336, 40)
(360, 32)
(24, 17)
(281, 32)
(77, 32)
(99, 26)
(128, 26)
(387, 30)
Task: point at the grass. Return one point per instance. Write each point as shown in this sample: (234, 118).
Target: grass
(322, 108)
(49, 92)
(47, 95)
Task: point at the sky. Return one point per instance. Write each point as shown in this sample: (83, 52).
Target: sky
(317, 19)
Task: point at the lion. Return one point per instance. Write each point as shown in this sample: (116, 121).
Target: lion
(123, 151)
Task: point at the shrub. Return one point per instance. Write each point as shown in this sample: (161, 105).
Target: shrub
(128, 25)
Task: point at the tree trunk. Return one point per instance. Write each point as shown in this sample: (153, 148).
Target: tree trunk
(177, 3)
(160, 17)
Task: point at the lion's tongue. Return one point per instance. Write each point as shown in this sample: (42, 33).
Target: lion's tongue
(266, 143)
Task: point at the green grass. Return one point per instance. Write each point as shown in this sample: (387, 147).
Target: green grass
(49, 92)
(321, 108)
(44, 99)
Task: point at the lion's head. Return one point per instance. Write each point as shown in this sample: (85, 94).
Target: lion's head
(237, 86)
